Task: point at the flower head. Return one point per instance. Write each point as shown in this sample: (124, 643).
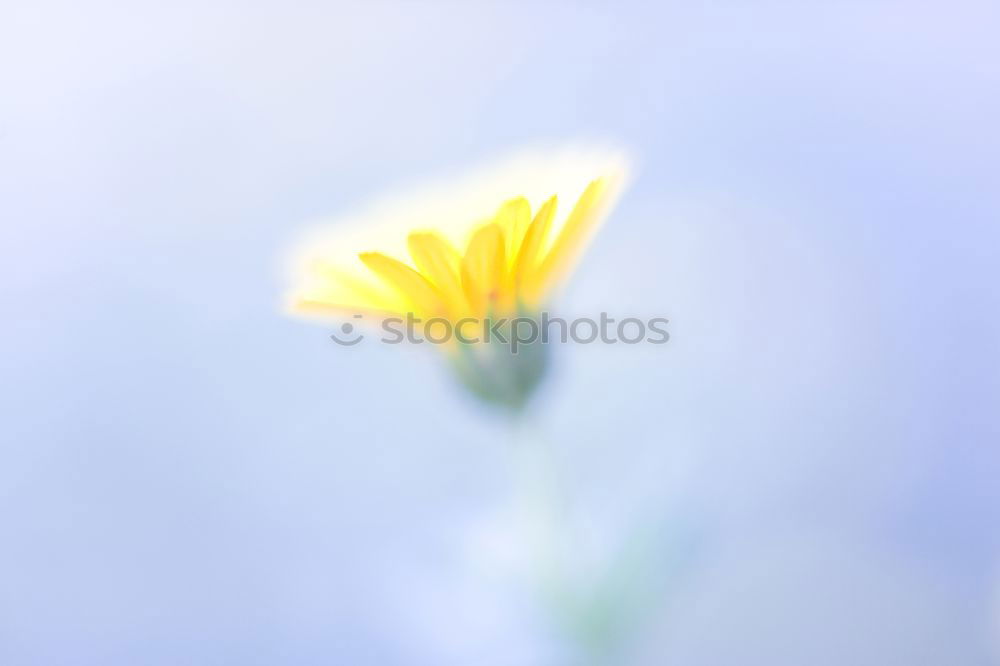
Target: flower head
(494, 244)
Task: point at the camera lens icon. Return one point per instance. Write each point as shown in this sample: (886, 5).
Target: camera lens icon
(350, 338)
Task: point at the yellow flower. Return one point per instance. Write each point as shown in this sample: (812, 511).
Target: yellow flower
(494, 243)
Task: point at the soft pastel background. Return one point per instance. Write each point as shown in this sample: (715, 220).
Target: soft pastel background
(187, 477)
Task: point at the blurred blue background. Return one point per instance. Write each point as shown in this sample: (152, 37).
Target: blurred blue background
(188, 477)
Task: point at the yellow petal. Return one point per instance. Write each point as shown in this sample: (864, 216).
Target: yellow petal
(328, 290)
(513, 217)
(440, 263)
(483, 267)
(526, 265)
(420, 294)
(572, 238)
